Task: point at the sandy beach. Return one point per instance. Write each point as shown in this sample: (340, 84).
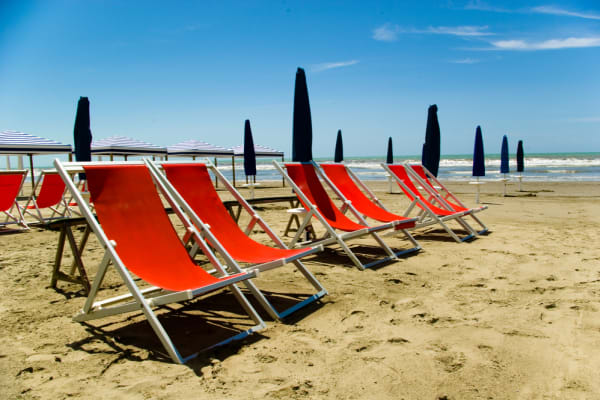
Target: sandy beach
(511, 315)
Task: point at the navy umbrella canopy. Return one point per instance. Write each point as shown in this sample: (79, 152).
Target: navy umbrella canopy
(504, 169)
(520, 163)
(302, 124)
(339, 148)
(478, 154)
(390, 153)
(82, 134)
(249, 153)
(430, 157)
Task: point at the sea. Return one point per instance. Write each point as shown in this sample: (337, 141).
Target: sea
(550, 167)
(546, 167)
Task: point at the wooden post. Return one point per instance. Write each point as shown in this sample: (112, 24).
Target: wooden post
(233, 168)
(32, 174)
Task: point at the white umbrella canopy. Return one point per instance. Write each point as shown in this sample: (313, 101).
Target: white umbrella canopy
(25, 144)
(125, 146)
(193, 148)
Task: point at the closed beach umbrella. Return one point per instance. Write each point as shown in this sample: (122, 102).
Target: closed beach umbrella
(390, 160)
(82, 135)
(430, 157)
(478, 155)
(302, 124)
(504, 161)
(520, 163)
(504, 169)
(339, 148)
(390, 153)
(249, 154)
(478, 160)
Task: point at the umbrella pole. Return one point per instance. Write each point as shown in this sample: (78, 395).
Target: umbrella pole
(477, 195)
(32, 174)
(520, 181)
(7, 162)
(216, 178)
(282, 179)
(390, 186)
(233, 168)
(504, 192)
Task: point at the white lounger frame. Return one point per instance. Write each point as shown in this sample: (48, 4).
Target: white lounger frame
(426, 217)
(10, 218)
(143, 299)
(440, 198)
(348, 206)
(231, 264)
(331, 236)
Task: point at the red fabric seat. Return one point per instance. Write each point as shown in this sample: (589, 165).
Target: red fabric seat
(131, 213)
(51, 192)
(305, 177)
(421, 172)
(338, 174)
(9, 189)
(194, 184)
(412, 191)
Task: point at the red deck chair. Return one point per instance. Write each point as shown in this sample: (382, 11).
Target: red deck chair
(11, 182)
(51, 196)
(346, 185)
(311, 193)
(430, 213)
(195, 192)
(448, 200)
(139, 239)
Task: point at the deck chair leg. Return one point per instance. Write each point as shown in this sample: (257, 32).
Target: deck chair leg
(97, 281)
(77, 260)
(58, 258)
(384, 245)
(483, 226)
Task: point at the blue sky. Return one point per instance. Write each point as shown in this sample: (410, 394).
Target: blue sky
(171, 71)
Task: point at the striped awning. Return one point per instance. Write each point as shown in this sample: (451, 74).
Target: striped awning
(198, 148)
(261, 151)
(14, 142)
(121, 145)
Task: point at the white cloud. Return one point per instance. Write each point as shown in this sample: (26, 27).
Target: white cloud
(483, 6)
(552, 44)
(466, 61)
(466, 30)
(326, 66)
(560, 11)
(386, 33)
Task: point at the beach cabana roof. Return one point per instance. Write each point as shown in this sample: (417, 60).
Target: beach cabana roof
(121, 145)
(198, 148)
(260, 151)
(14, 142)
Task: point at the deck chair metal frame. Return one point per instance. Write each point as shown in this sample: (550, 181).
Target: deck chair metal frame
(32, 202)
(11, 219)
(426, 215)
(144, 299)
(207, 232)
(331, 235)
(449, 200)
(397, 223)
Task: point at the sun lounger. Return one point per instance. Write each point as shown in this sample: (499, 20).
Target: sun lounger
(50, 190)
(448, 200)
(191, 186)
(348, 188)
(11, 182)
(311, 193)
(430, 213)
(139, 239)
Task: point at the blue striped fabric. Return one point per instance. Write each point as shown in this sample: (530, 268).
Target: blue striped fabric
(198, 148)
(121, 145)
(14, 142)
(261, 151)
